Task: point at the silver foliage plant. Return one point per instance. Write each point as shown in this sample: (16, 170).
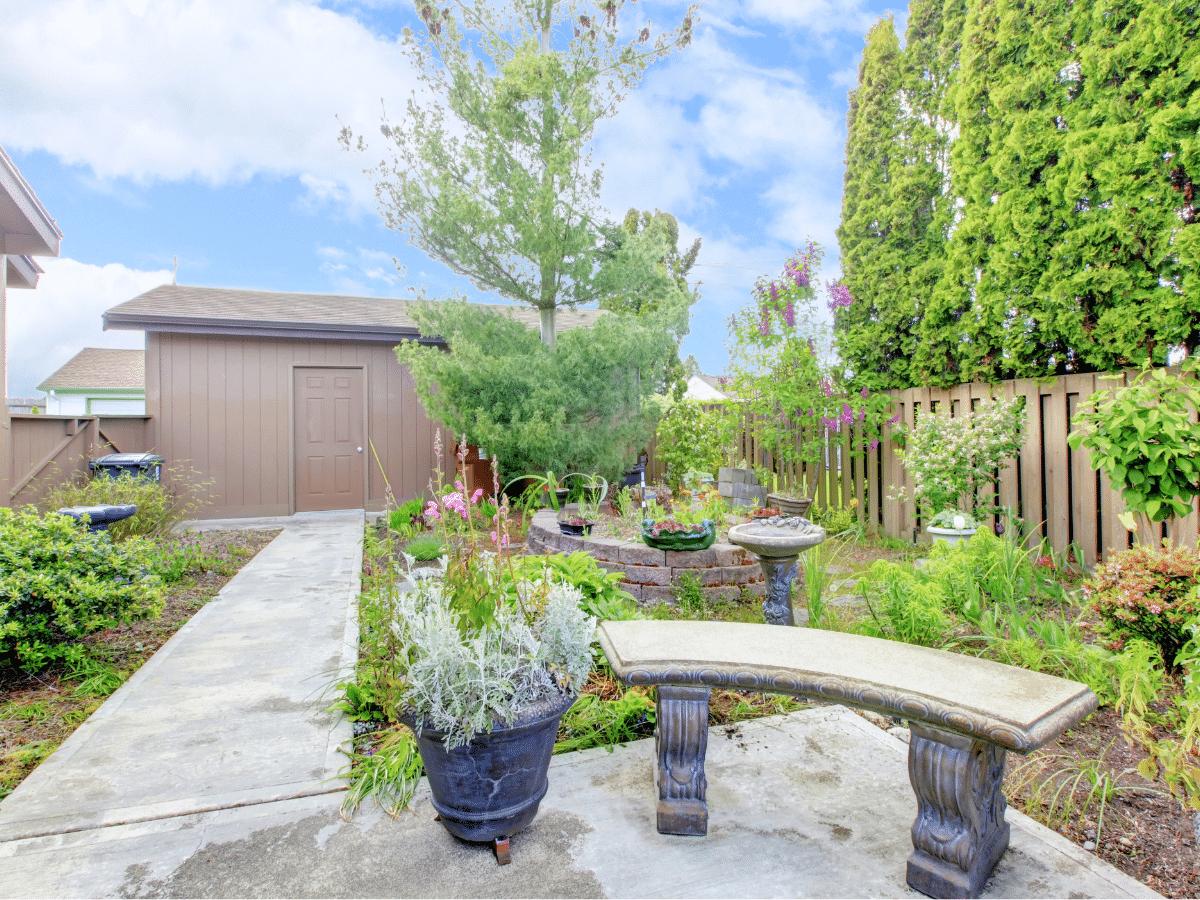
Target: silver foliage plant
(462, 684)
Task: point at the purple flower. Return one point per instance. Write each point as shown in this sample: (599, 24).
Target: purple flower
(874, 443)
(764, 324)
(894, 419)
(839, 295)
(789, 314)
(863, 392)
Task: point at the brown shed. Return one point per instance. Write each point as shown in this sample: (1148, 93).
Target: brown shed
(280, 397)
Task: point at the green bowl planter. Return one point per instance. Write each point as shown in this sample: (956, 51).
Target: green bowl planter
(697, 537)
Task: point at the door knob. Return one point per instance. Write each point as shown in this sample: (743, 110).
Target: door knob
(360, 449)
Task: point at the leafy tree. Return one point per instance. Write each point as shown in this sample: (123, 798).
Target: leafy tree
(490, 171)
(642, 272)
(579, 406)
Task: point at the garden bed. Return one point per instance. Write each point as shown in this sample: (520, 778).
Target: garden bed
(653, 576)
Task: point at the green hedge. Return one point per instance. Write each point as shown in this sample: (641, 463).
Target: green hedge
(60, 583)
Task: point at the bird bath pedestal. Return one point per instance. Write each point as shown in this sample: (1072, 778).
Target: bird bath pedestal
(776, 544)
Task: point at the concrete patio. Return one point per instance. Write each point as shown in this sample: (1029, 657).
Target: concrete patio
(209, 775)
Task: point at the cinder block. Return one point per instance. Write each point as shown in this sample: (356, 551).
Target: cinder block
(653, 575)
(725, 473)
(605, 549)
(654, 594)
(691, 559)
(641, 555)
(725, 488)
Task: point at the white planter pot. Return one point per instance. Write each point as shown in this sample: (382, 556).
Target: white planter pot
(951, 535)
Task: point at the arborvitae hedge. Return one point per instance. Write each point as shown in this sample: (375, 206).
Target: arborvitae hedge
(874, 330)
(1064, 236)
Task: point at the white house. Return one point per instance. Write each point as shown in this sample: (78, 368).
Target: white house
(98, 382)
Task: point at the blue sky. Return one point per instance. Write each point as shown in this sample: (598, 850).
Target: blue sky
(207, 130)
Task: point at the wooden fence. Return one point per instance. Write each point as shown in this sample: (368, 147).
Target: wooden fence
(50, 450)
(1051, 487)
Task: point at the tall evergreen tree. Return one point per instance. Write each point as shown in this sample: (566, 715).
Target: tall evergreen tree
(946, 317)
(873, 332)
(1125, 283)
(1012, 331)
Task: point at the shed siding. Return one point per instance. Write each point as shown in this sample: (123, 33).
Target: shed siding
(223, 404)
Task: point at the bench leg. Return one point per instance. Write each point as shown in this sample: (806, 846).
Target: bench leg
(959, 833)
(680, 741)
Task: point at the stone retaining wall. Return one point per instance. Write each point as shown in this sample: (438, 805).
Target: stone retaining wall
(652, 575)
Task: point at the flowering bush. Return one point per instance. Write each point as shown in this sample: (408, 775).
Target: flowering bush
(949, 459)
(1148, 593)
(783, 367)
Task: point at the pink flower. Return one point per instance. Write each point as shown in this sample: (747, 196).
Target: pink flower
(475, 496)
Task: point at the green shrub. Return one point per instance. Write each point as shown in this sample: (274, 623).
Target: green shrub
(425, 548)
(59, 583)
(603, 597)
(401, 518)
(693, 438)
(1147, 593)
(904, 604)
(160, 508)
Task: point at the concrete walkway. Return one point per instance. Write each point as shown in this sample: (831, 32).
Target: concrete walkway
(227, 713)
(205, 776)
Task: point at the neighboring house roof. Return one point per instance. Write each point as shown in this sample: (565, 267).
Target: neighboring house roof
(26, 229)
(202, 310)
(96, 368)
(700, 388)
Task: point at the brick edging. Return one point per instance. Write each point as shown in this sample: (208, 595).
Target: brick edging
(651, 575)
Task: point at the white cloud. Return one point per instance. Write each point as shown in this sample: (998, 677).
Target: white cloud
(755, 124)
(211, 89)
(53, 322)
(819, 16)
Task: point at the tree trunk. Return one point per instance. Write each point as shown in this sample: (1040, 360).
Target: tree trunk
(548, 317)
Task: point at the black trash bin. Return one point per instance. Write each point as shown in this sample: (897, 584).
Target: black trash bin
(144, 466)
(100, 517)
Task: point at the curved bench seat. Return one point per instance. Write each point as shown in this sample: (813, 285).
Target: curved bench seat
(964, 713)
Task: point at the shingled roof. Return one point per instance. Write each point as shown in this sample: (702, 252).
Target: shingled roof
(203, 310)
(97, 367)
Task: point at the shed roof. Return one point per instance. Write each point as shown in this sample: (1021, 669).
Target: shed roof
(99, 367)
(204, 310)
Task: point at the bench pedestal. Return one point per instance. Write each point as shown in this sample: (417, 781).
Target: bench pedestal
(959, 833)
(680, 742)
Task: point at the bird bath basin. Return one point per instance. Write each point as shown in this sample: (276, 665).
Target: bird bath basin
(776, 544)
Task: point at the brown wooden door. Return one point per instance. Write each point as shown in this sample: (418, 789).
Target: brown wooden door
(329, 439)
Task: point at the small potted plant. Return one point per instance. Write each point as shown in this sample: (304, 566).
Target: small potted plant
(954, 462)
(788, 499)
(673, 534)
(952, 526)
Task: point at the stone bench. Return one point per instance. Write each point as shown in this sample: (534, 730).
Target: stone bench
(964, 714)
